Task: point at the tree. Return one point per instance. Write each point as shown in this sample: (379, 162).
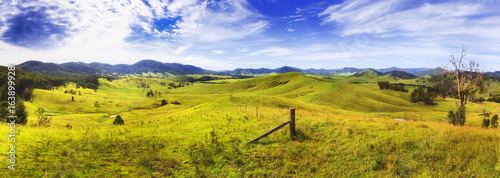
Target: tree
(4, 110)
(420, 95)
(21, 113)
(469, 81)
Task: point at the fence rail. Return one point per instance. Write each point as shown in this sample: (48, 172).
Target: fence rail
(293, 132)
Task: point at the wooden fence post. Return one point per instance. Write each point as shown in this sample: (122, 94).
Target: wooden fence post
(257, 112)
(293, 132)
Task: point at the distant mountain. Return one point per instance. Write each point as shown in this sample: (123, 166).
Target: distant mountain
(250, 71)
(72, 69)
(401, 74)
(286, 69)
(240, 71)
(409, 70)
(68, 70)
(394, 73)
(350, 70)
(431, 72)
(368, 73)
(493, 74)
(144, 66)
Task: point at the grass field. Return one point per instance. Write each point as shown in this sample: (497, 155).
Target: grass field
(344, 130)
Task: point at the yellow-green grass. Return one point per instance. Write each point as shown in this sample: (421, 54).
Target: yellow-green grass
(206, 134)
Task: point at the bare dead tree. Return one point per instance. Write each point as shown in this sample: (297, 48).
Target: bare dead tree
(469, 81)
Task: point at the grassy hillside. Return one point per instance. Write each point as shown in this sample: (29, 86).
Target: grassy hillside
(343, 130)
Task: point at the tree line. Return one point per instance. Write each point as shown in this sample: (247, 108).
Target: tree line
(25, 82)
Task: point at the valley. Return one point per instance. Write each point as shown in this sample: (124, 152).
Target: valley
(344, 129)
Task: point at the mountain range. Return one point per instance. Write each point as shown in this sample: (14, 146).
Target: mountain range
(145, 66)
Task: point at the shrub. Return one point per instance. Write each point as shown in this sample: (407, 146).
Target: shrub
(118, 121)
(44, 121)
(494, 121)
(486, 123)
(164, 102)
(457, 118)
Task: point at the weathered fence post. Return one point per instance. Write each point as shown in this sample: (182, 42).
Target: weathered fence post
(293, 132)
(257, 112)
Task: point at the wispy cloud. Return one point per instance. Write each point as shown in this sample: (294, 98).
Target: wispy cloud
(201, 22)
(218, 51)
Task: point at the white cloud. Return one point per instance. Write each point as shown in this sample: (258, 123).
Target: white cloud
(204, 24)
(242, 50)
(181, 49)
(384, 19)
(218, 51)
(273, 51)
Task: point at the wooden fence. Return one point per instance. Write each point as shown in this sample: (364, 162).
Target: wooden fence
(293, 132)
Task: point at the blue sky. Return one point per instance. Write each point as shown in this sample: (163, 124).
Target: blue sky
(233, 34)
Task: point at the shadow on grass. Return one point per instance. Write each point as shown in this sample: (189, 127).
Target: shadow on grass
(300, 137)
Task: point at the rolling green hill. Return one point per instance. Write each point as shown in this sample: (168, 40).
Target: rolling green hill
(343, 130)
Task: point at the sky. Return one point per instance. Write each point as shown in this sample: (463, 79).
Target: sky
(229, 34)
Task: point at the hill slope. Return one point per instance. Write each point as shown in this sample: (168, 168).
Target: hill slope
(294, 85)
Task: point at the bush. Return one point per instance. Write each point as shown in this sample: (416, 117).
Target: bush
(494, 121)
(118, 121)
(44, 121)
(164, 102)
(457, 118)
(486, 123)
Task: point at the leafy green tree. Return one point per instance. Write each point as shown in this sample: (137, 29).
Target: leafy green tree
(420, 95)
(4, 110)
(21, 113)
